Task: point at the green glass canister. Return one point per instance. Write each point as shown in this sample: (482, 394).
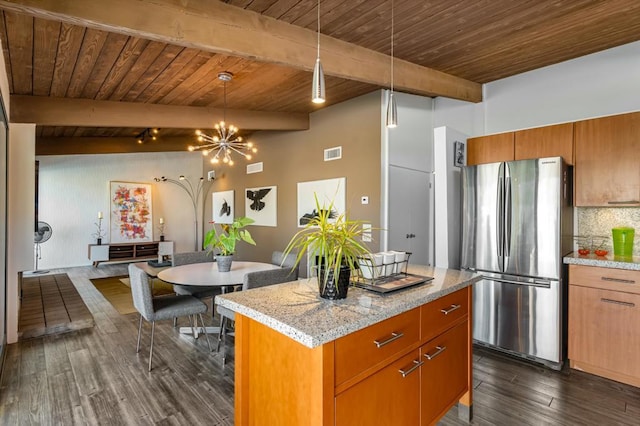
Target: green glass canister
(623, 241)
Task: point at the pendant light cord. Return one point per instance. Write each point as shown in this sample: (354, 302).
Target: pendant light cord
(318, 28)
(392, 19)
(224, 111)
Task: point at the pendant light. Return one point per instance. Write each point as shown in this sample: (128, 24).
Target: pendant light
(317, 91)
(392, 109)
(226, 141)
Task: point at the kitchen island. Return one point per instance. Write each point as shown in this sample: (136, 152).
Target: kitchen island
(403, 358)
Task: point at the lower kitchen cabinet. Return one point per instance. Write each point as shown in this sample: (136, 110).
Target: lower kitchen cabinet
(389, 397)
(604, 314)
(442, 381)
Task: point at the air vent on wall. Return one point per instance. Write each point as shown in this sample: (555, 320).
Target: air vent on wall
(254, 168)
(333, 153)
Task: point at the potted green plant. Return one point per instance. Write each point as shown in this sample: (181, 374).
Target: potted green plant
(336, 244)
(224, 241)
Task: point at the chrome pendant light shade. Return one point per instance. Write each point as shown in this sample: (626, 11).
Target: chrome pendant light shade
(317, 90)
(392, 111)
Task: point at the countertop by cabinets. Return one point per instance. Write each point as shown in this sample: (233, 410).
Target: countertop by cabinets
(296, 310)
(608, 261)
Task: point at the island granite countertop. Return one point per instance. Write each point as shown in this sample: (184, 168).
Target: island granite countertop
(296, 310)
(609, 261)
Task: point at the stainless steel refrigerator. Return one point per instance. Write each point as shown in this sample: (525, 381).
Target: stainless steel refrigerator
(517, 224)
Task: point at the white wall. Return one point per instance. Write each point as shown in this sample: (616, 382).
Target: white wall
(73, 188)
(447, 198)
(20, 216)
(600, 84)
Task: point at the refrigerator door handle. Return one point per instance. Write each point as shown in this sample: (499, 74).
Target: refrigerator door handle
(536, 283)
(507, 218)
(500, 220)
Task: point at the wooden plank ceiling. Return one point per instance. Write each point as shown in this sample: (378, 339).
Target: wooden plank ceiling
(478, 41)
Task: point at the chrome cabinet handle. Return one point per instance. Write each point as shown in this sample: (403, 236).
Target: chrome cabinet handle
(624, 202)
(617, 280)
(618, 302)
(415, 365)
(394, 336)
(439, 350)
(451, 309)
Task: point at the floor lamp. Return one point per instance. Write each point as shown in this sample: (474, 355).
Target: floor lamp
(195, 192)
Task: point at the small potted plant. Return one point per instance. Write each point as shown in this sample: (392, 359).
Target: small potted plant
(336, 244)
(224, 242)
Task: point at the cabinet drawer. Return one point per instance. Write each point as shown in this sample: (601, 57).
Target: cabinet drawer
(603, 329)
(605, 278)
(365, 348)
(388, 397)
(439, 315)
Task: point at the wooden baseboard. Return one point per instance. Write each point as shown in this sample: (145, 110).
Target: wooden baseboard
(603, 372)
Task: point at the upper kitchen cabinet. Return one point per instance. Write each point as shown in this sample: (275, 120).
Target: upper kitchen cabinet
(541, 142)
(490, 149)
(548, 141)
(607, 169)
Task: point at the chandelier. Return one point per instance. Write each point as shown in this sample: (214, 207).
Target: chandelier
(227, 140)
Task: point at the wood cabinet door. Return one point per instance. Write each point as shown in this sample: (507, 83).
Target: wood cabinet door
(490, 149)
(603, 330)
(548, 141)
(387, 397)
(443, 376)
(607, 165)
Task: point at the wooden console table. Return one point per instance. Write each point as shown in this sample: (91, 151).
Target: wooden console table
(123, 252)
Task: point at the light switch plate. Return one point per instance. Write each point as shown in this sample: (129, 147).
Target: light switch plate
(364, 200)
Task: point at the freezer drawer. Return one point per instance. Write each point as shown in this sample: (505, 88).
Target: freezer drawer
(524, 319)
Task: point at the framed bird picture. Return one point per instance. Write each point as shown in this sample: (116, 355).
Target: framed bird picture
(261, 205)
(223, 211)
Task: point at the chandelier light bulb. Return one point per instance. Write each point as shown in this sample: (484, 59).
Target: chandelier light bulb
(249, 157)
(191, 148)
(240, 139)
(198, 132)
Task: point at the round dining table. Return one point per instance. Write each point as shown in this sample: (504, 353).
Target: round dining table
(207, 274)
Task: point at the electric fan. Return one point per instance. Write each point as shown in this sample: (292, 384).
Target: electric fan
(42, 234)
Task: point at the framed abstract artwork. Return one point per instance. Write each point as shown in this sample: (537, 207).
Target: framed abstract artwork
(223, 207)
(327, 191)
(131, 218)
(261, 205)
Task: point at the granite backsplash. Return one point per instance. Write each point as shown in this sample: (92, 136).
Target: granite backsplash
(599, 221)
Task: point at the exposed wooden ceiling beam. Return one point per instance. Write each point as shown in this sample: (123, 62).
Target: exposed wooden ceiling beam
(217, 27)
(45, 111)
(93, 145)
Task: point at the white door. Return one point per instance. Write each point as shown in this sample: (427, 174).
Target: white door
(411, 214)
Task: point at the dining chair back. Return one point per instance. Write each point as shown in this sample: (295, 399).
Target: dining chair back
(251, 280)
(159, 308)
(200, 292)
(191, 257)
(288, 262)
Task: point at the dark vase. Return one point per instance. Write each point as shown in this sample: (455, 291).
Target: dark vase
(161, 237)
(334, 289)
(224, 262)
(99, 241)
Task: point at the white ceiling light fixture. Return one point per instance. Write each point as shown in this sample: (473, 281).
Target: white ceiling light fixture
(226, 141)
(392, 109)
(317, 91)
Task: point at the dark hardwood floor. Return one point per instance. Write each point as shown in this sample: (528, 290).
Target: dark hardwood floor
(94, 376)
